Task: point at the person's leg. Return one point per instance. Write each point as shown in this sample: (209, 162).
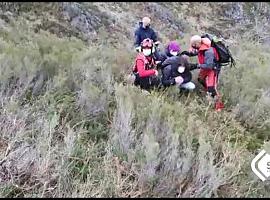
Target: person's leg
(212, 90)
(155, 82)
(211, 83)
(144, 83)
(137, 79)
(189, 86)
(202, 77)
(149, 83)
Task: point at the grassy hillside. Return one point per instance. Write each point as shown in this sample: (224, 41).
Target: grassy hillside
(71, 128)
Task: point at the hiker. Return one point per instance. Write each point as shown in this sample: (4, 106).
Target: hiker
(145, 31)
(176, 70)
(209, 68)
(146, 76)
(172, 49)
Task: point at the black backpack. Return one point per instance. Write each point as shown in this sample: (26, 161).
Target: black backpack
(225, 56)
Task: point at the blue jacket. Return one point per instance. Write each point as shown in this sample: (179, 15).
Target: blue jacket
(143, 33)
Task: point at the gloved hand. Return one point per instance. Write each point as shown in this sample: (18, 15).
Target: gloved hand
(138, 49)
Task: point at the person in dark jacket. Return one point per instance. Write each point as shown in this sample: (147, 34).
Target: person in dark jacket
(172, 49)
(176, 70)
(145, 31)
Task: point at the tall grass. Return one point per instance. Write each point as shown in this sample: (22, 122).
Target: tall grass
(246, 88)
(70, 128)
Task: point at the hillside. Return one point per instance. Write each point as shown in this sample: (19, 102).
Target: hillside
(71, 128)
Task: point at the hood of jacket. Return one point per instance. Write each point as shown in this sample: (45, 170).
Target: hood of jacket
(206, 44)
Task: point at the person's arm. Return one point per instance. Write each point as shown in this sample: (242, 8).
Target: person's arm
(189, 53)
(162, 57)
(154, 36)
(174, 60)
(166, 76)
(137, 42)
(166, 62)
(141, 70)
(192, 66)
(208, 60)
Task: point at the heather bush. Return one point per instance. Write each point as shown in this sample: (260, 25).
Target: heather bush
(69, 127)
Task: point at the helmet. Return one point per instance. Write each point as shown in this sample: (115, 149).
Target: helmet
(174, 46)
(147, 46)
(147, 43)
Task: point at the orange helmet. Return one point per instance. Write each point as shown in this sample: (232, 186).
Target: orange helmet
(147, 43)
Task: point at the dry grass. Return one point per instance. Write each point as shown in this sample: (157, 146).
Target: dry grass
(69, 128)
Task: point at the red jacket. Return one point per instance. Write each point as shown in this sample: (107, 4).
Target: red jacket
(206, 45)
(143, 65)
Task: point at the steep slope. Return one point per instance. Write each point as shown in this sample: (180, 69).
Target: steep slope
(69, 127)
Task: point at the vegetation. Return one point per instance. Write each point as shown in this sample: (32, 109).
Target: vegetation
(71, 128)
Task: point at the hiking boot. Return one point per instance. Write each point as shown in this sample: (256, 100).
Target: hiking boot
(219, 105)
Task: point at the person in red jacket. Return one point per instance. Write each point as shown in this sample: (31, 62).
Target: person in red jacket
(209, 68)
(144, 68)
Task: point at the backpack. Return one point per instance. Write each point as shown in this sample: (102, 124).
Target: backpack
(225, 56)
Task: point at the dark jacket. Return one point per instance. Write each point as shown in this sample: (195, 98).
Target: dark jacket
(166, 54)
(190, 54)
(169, 70)
(143, 33)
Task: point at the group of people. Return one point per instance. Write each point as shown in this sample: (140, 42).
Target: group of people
(174, 63)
